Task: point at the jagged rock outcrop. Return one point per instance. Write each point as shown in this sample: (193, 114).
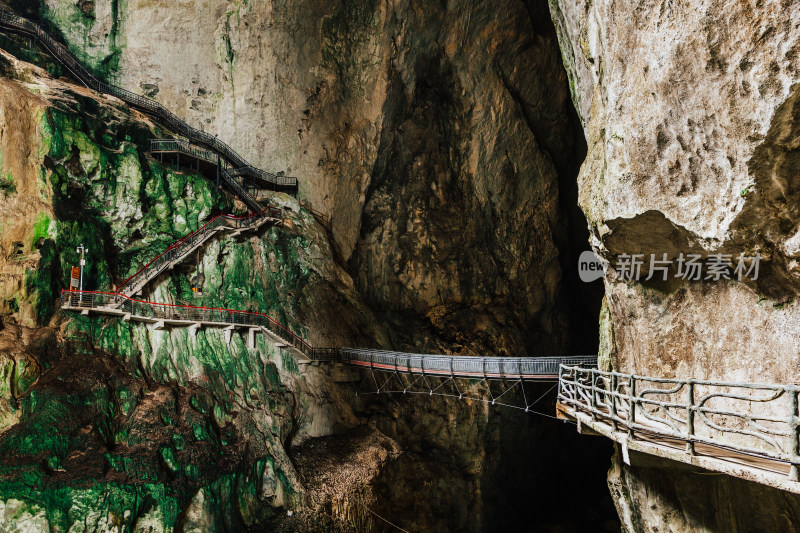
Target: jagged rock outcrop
(689, 111)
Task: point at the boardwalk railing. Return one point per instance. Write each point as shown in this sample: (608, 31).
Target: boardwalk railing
(526, 368)
(258, 177)
(284, 181)
(118, 304)
(16, 24)
(239, 191)
(188, 242)
(174, 145)
(750, 418)
(182, 147)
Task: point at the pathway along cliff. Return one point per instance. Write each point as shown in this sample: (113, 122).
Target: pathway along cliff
(112, 422)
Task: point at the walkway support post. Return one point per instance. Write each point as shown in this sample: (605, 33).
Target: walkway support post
(613, 401)
(592, 390)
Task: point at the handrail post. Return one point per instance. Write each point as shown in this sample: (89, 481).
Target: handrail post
(794, 422)
(690, 418)
(632, 406)
(613, 401)
(593, 390)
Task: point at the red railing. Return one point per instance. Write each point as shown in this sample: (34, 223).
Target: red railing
(117, 302)
(179, 247)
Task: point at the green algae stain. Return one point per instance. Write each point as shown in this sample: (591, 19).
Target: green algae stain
(126, 209)
(41, 228)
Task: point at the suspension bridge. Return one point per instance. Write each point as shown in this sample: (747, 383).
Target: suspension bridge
(746, 430)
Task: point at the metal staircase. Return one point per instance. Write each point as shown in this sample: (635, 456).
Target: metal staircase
(10, 22)
(187, 244)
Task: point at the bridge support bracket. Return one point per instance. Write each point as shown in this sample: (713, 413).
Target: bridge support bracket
(193, 329)
(228, 333)
(85, 312)
(251, 338)
(626, 458)
(159, 325)
(126, 317)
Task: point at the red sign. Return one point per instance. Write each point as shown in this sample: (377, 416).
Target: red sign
(76, 273)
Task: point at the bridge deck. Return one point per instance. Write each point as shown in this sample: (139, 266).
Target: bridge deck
(708, 457)
(510, 368)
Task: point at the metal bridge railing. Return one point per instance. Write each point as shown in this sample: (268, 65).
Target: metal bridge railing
(16, 24)
(239, 191)
(750, 418)
(269, 177)
(174, 145)
(186, 243)
(464, 366)
(116, 302)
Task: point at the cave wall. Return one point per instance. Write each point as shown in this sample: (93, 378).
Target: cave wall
(434, 134)
(440, 138)
(113, 425)
(689, 111)
(394, 104)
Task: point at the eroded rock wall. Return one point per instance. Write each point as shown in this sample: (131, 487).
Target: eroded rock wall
(689, 114)
(434, 135)
(439, 137)
(112, 423)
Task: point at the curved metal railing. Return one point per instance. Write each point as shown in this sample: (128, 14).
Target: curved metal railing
(750, 418)
(189, 242)
(532, 368)
(16, 24)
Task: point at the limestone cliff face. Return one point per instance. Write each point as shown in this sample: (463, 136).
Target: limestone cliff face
(441, 141)
(110, 423)
(433, 135)
(689, 111)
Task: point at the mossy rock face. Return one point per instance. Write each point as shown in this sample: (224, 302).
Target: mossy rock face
(122, 426)
(93, 37)
(124, 207)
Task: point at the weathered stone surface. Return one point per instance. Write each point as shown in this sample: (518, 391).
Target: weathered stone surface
(110, 422)
(667, 496)
(439, 139)
(689, 111)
